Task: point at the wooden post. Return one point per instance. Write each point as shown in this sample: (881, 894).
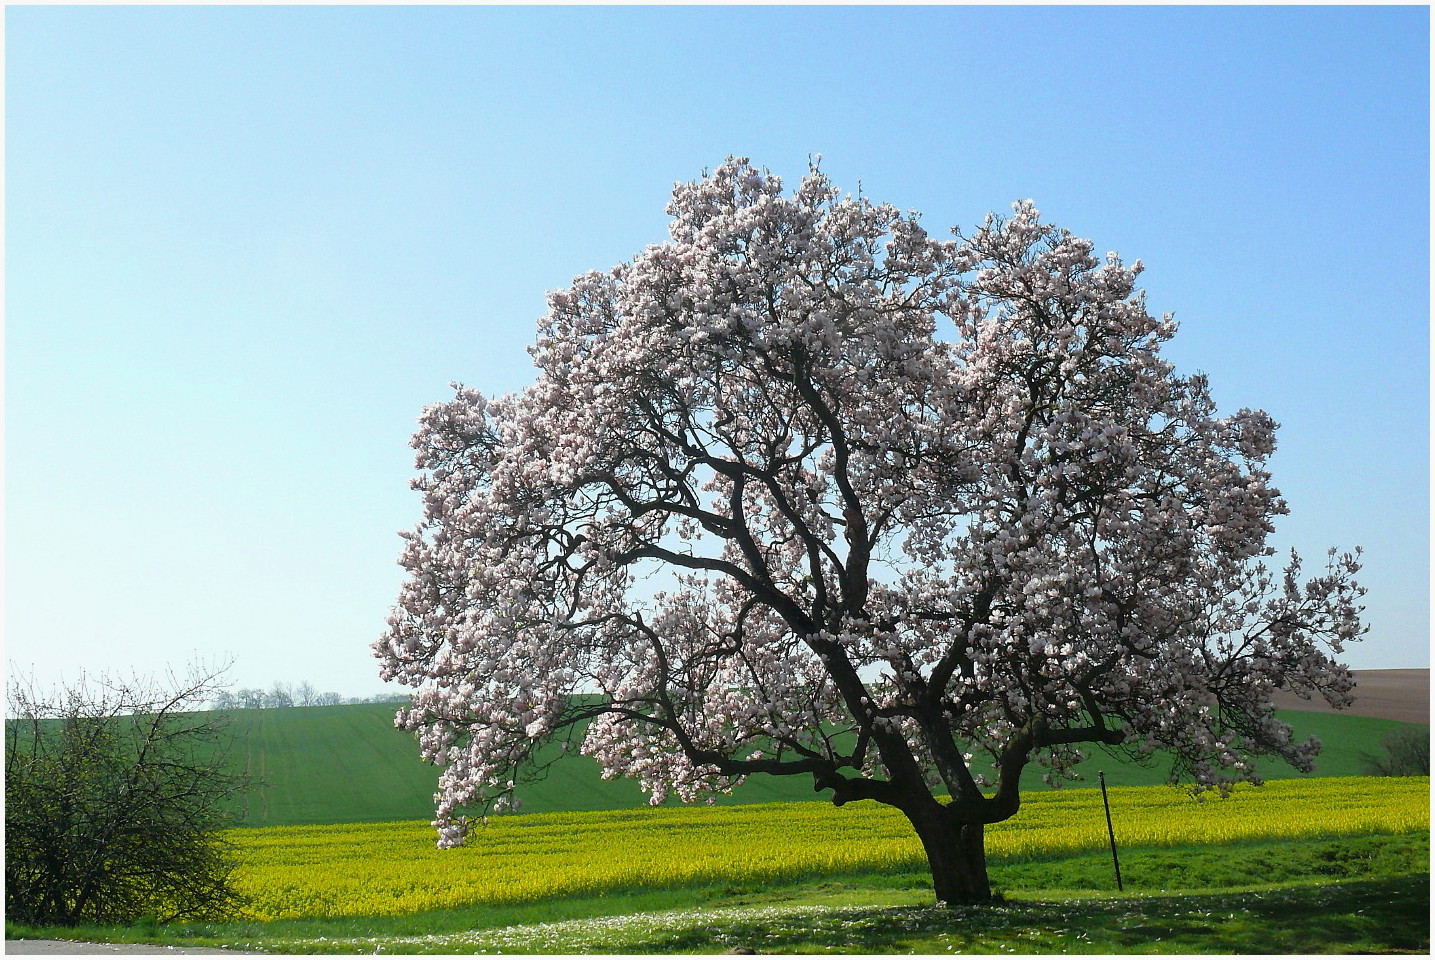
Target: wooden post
(1110, 833)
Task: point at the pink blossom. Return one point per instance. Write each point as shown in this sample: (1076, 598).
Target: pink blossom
(756, 515)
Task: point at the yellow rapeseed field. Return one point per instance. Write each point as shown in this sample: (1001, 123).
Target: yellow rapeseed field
(394, 868)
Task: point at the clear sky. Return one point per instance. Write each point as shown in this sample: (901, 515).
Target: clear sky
(244, 246)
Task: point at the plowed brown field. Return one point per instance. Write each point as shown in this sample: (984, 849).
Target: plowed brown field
(1402, 695)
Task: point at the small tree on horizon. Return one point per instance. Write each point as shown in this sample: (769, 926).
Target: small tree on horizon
(806, 491)
(279, 695)
(249, 698)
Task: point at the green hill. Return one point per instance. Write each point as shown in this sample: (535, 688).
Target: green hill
(347, 764)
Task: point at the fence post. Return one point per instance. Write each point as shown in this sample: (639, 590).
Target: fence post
(1110, 833)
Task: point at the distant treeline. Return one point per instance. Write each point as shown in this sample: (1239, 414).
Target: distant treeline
(284, 695)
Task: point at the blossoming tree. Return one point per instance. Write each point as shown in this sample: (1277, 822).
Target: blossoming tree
(807, 491)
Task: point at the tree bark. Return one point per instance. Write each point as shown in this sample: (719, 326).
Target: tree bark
(956, 855)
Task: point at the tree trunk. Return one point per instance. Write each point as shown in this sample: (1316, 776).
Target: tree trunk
(957, 856)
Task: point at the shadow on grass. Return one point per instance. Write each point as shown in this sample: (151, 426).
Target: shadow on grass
(1382, 915)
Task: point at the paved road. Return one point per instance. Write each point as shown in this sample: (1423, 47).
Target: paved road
(79, 947)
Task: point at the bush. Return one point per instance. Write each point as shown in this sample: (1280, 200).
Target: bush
(113, 794)
(1407, 754)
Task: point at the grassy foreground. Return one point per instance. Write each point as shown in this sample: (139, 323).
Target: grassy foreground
(1330, 895)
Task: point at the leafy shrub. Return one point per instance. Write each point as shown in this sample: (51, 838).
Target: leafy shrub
(1407, 754)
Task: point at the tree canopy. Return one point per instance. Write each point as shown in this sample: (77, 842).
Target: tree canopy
(806, 490)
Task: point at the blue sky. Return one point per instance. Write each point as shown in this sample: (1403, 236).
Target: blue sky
(246, 245)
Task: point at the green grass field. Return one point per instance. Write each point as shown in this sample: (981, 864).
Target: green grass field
(347, 764)
(1354, 889)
